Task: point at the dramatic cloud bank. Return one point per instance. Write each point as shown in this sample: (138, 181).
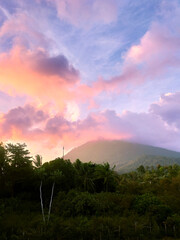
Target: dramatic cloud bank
(158, 127)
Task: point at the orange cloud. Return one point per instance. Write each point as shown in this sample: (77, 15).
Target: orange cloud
(38, 75)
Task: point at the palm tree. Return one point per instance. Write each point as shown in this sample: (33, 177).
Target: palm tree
(37, 161)
(85, 173)
(108, 175)
(87, 179)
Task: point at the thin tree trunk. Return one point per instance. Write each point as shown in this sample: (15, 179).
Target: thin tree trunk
(42, 208)
(119, 231)
(174, 229)
(50, 204)
(165, 227)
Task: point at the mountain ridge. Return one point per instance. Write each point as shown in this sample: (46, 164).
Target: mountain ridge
(117, 152)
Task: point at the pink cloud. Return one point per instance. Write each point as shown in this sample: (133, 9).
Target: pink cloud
(31, 123)
(84, 13)
(22, 27)
(22, 121)
(28, 69)
(168, 108)
(157, 53)
(38, 75)
(158, 127)
(43, 78)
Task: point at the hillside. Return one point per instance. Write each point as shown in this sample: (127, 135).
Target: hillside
(150, 161)
(119, 153)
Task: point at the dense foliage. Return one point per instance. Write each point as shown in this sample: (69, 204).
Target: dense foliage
(63, 200)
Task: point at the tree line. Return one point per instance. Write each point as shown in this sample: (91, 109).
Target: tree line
(64, 200)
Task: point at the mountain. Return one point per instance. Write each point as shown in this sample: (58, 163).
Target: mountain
(124, 155)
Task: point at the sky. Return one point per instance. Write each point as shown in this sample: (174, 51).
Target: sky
(73, 71)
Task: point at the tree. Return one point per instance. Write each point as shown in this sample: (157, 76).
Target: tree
(85, 172)
(18, 155)
(107, 175)
(3, 160)
(37, 161)
(20, 167)
(53, 176)
(141, 169)
(4, 167)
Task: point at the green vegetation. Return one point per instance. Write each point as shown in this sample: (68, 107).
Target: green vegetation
(61, 200)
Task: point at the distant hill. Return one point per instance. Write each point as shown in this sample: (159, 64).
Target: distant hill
(150, 161)
(124, 155)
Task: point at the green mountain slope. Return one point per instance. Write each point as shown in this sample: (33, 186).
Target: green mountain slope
(119, 153)
(149, 160)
